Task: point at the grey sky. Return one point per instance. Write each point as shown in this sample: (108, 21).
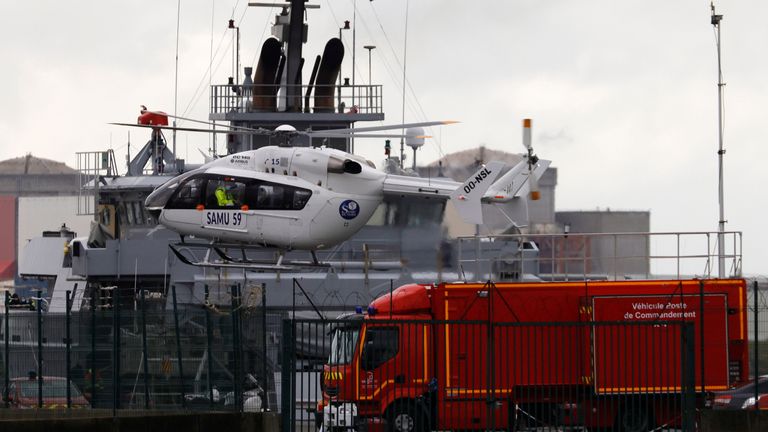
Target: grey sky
(622, 93)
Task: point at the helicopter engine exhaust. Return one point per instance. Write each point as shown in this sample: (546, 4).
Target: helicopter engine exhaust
(264, 88)
(330, 67)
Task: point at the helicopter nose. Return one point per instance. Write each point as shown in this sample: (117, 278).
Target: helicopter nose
(160, 196)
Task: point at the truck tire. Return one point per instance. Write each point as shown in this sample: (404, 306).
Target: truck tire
(406, 416)
(634, 418)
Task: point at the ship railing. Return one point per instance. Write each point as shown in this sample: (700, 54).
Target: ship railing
(608, 256)
(91, 167)
(260, 98)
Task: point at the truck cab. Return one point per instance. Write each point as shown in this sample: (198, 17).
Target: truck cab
(379, 372)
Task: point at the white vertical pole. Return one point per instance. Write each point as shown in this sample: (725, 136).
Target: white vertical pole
(715, 20)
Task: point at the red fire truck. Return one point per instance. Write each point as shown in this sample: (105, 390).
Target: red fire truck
(599, 354)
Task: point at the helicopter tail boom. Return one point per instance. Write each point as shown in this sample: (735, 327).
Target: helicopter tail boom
(467, 197)
(515, 183)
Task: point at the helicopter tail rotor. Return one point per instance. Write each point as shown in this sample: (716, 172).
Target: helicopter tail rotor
(533, 181)
(520, 181)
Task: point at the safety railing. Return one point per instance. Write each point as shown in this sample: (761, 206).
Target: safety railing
(91, 166)
(612, 256)
(345, 99)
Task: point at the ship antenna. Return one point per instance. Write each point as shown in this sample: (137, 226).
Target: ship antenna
(176, 78)
(715, 21)
(212, 139)
(405, 61)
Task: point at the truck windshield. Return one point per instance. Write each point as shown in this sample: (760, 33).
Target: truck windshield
(343, 345)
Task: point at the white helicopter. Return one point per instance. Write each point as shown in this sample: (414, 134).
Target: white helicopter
(310, 198)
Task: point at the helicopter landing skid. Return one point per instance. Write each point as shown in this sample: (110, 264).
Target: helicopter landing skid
(228, 261)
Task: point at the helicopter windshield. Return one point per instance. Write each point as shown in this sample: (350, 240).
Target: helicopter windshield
(159, 197)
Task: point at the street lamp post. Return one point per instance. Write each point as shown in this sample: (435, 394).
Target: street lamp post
(346, 27)
(370, 82)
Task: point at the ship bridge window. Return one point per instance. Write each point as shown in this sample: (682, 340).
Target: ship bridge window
(408, 211)
(126, 209)
(138, 212)
(187, 196)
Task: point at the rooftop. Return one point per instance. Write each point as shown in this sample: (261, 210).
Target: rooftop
(32, 165)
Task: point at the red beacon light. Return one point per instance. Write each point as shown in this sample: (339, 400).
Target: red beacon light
(152, 118)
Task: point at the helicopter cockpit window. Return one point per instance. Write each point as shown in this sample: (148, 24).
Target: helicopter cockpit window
(272, 196)
(160, 196)
(300, 198)
(188, 194)
(224, 193)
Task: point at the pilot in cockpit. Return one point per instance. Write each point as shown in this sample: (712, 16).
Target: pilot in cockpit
(224, 195)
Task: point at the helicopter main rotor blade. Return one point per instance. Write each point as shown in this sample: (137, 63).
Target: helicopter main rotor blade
(207, 123)
(390, 127)
(238, 132)
(353, 135)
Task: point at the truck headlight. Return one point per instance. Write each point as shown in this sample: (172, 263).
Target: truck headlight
(750, 402)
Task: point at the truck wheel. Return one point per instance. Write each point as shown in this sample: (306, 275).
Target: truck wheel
(634, 419)
(406, 417)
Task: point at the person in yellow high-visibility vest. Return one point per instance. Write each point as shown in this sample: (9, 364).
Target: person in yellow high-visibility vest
(224, 197)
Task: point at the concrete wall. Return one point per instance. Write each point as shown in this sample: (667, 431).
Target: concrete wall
(543, 210)
(47, 213)
(87, 420)
(7, 236)
(32, 184)
(605, 221)
(619, 255)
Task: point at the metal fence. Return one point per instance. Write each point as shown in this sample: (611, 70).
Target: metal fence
(140, 353)
(134, 354)
(475, 375)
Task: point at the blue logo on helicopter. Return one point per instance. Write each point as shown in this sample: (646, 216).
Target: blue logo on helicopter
(349, 209)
